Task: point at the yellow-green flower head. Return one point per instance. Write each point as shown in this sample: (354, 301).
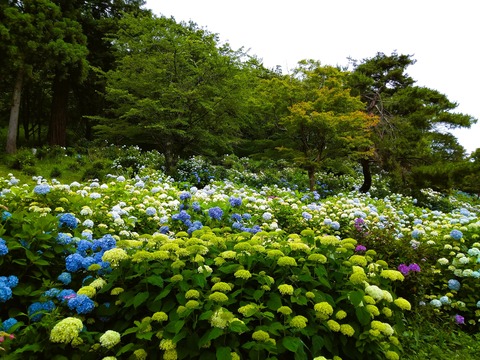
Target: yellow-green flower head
(178, 264)
(140, 354)
(192, 294)
(387, 312)
(368, 299)
(116, 291)
(382, 263)
(221, 286)
(176, 278)
(375, 292)
(243, 246)
(141, 256)
(218, 297)
(215, 279)
(387, 296)
(298, 322)
(358, 278)
(372, 309)
(160, 255)
(333, 325)
(285, 289)
(109, 339)
(114, 256)
(66, 330)
(391, 355)
(329, 240)
(221, 318)
(94, 267)
(181, 309)
(246, 309)
(219, 261)
(320, 258)
(358, 260)
(229, 254)
(243, 274)
(394, 340)
(87, 290)
(384, 328)
(260, 336)
(402, 304)
(192, 304)
(374, 332)
(347, 329)
(109, 358)
(167, 344)
(341, 314)
(392, 275)
(98, 283)
(159, 316)
(286, 261)
(234, 356)
(310, 295)
(274, 253)
(298, 246)
(323, 308)
(284, 310)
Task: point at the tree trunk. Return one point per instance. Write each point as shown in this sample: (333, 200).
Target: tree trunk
(367, 176)
(14, 114)
(57, 130)
(311, 178)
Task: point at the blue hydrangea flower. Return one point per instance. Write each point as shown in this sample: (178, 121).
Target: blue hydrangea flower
(185, 195)
(7, 324)
(88, 223)
(215, 213)
(237, 225)
(12, 281)
(6, 215)
(65, 278)
(82, 304)
(68, 220)
(456, 234)
(63, 239)
(306, 215)
(83, 246)
(66, 294)
(445, 300)
(247, 216)
(267, 216)
(51, 293)
(182, 216)
(454, 284)
(106, 242)
(164, 229)
(74, 262)
(150, 211)
(3, 247)
(196, 206)
(235, 201)
(41, 189)
(5, 293)
(196, 225)
(38, 309)
(335, 225)
(435, 302)
(236, 217)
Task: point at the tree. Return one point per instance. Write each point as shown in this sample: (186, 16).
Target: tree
(327, 122)
(412, 118)
(174, 89)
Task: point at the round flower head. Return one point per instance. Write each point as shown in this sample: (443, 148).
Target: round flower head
(41, 189)
(114, 256)
(109, 339)
(66, 330)
(374, 291)
(285, 289)
(260, 335)
(298, 322)
(160, 316)
(454, 284)
(286, 261)
(324, 308)
(456, 234)
(347, 329)
(242, 274)
(402, 304)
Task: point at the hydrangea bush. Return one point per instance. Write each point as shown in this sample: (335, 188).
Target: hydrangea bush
(127, 268)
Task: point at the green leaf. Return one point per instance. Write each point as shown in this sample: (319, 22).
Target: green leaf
(363, 315)
(229, 269)
(178, 326)
(317, 345)
(356, 297)
(258, 294)
(199, 280)
(211, 334)
(274, 302)
(206, 315)
(155, 280)
(291, 343)
(224, 353)
(140, 298)
(237, 326)
(164, 292)
(125, 349)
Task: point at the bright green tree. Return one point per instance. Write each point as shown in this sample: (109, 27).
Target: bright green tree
(327, 122)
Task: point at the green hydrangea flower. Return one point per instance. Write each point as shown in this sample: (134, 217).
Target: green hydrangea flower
(285, 289)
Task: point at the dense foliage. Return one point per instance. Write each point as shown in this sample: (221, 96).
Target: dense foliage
(199, 267)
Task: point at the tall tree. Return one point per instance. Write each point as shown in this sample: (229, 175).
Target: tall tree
(174, 89)
(411, 117)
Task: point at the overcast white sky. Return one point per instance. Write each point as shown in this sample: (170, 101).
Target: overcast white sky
(442, 35)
